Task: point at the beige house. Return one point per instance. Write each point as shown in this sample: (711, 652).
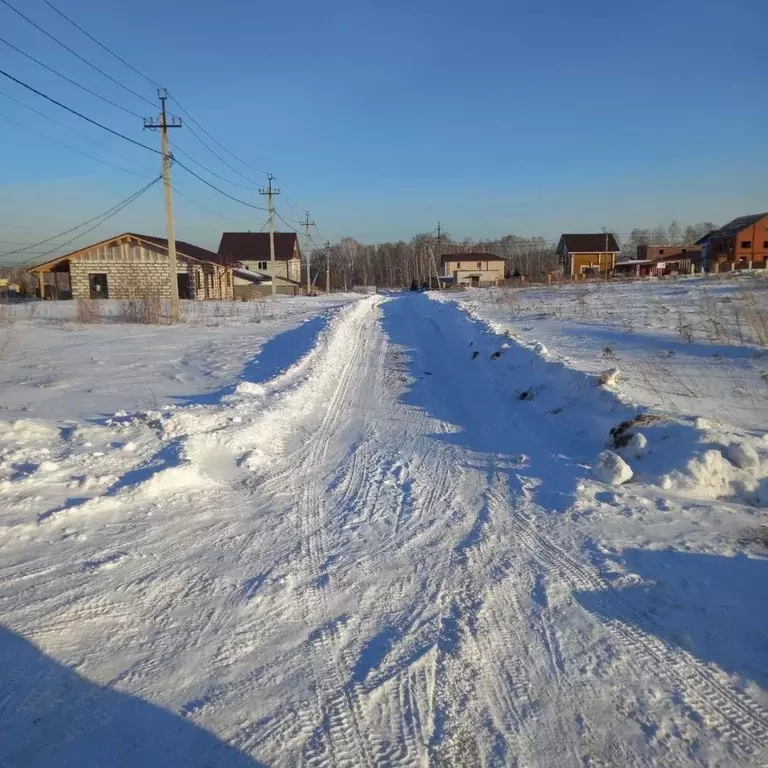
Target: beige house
(252, 251)
(133, 266)
(588, 255)
(480, 269)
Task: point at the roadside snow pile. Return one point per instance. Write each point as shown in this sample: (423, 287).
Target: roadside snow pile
(693, 456)
(198, 447)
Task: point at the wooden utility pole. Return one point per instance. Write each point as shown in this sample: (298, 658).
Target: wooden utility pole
(270, 193)
(307, 244)
(327, 267)
(164, 125)
(434, 262)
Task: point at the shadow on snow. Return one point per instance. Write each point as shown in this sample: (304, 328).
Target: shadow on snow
(275, 356)
(711, 605)
(546, 438)
(53, 717)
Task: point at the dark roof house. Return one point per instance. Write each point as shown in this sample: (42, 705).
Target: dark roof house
(742, 242)
(588, 255)
(254, 246)
(134, 266)
(600, 242)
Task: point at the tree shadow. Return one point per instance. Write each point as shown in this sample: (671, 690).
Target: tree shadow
(711, 605)
(52, 717)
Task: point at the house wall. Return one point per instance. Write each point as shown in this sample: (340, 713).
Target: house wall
(463, 269)
(138, 271)
(290, 269)
(603, 261)
(653, 252)
(757, 237)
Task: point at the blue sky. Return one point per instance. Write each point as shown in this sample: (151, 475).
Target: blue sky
(494, 117)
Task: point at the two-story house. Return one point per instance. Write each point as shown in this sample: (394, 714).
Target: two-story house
(742, 242)
(480, 269)
(252, 251)
(588, 255)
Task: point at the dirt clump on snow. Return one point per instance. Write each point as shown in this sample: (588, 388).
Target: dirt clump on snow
(621, 434)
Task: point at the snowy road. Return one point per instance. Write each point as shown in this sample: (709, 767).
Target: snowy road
(361, 561)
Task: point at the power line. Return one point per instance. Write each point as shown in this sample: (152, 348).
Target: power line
(75, 53)
(68, 146)
(218, 143)
(213, 186)
(69, 79)
(127, 138)
(284, 221)
(72, 130)
(205, 208)
(75, 112)
(141, 74)
(208, 170)
(100, 44)
(101, 218)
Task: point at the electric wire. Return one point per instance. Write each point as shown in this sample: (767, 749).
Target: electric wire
(100, 44)
(108, 214)
(75, 53)
(70, 80)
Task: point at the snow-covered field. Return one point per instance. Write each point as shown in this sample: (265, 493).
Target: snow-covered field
(386, 532)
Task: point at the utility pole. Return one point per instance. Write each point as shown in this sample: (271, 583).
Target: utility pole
(164, 125)
(307, 240)
(270, 193)
(439, 255)
(327, 267)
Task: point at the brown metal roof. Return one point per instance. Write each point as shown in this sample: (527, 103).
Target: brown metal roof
(735, 226)
(590, 243)
(185, 249)
(254, 246)
(182, 249)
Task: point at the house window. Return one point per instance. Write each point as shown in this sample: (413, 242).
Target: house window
(197, 279)
(746, 243)
(98, 286)
(661, 251)
(458, 265)
(228, 278)
(765, 243)
(479, 264)
(261, 265)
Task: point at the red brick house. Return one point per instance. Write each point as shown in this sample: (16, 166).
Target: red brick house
(669, 252)
(741, 243)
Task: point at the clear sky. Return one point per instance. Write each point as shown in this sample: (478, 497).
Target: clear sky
(493, 116)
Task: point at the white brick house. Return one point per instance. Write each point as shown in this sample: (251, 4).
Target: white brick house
(133, 266)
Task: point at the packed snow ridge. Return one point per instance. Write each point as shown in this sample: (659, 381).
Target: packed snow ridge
(409, 532)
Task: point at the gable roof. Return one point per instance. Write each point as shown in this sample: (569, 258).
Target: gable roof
(188, 250)
(254, 246)
(470, 257)
(736, 225)
(590, 243)
(185, 249)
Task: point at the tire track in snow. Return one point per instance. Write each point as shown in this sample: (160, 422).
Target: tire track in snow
(741, 720)
(342, 734)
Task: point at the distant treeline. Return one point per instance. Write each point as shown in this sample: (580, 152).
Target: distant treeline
(398, 264)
